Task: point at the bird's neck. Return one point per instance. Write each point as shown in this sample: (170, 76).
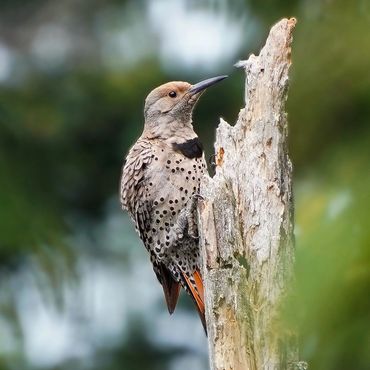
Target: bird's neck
(173, 131)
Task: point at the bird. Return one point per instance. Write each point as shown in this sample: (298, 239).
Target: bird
(159, 188)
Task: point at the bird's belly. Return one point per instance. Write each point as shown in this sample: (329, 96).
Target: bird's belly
(171, 187)
(175, 183)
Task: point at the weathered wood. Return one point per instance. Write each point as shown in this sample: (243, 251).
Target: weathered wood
(246, 220)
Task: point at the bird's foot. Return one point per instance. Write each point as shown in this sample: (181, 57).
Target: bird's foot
(192, 216)
(186, 223)
(177, 232)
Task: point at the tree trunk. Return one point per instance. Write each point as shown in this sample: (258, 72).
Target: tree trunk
(246, 221)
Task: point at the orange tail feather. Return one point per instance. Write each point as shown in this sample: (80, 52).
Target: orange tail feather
(197, 293)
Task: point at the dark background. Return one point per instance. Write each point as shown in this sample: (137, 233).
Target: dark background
(76, 287)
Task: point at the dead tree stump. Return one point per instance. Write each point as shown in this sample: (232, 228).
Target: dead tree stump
(246, 221)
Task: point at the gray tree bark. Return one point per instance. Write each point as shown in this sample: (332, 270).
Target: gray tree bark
(246, 221)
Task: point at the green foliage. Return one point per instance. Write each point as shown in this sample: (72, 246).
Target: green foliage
(330, 305)
(64, 131)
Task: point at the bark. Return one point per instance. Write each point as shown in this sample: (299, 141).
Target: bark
(246, 221)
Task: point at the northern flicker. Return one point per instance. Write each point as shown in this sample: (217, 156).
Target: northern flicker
(160, 184)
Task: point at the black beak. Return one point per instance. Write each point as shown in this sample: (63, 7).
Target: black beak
(204, 84)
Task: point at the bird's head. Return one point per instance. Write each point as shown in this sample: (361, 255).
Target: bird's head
(174, 101)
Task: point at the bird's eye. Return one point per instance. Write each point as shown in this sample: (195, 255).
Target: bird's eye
(172, 94)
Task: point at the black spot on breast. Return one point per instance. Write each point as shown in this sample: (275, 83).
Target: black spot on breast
(191, 148)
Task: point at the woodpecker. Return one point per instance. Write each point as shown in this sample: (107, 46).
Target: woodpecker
(160, 186)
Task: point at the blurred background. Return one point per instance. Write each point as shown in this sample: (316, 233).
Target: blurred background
(76, 287)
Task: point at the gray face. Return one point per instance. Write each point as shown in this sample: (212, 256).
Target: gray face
(175, 100)
(169, 101)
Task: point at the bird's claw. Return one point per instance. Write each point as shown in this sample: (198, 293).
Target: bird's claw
(198, 197)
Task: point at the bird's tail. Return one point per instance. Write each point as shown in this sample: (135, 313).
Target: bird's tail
(196, 290)
(171, 288)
